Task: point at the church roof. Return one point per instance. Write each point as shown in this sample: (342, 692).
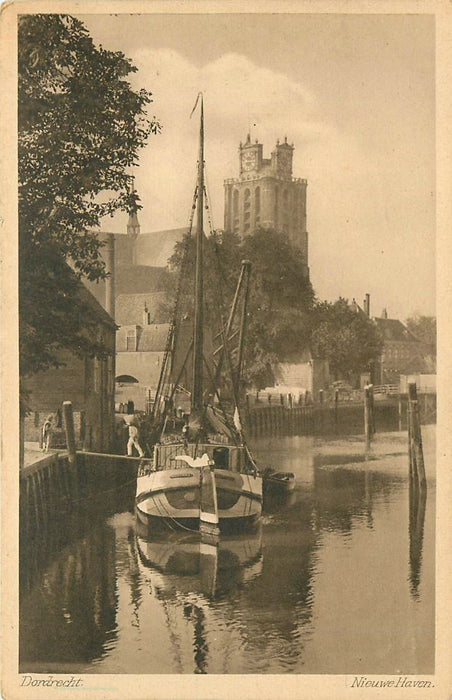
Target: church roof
(140, 279)
(157, 247)
(153, 248)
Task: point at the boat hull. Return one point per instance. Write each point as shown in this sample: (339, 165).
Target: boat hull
(279, 483)
(170, 499)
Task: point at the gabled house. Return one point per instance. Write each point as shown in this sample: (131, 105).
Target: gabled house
(88, 382)
(402, 352)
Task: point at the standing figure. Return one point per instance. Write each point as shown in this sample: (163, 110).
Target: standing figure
(133, 440)
(46, 431)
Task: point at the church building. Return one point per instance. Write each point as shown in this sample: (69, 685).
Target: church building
(266, 195)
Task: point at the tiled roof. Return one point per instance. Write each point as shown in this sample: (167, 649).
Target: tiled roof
(90, 302)
(393, 329)
(140, 279)
(153, 338)
(147, 338)
(157, 247)
(151, 249)
(129, 308)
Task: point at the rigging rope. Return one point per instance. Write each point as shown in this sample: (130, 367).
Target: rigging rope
(176, 308)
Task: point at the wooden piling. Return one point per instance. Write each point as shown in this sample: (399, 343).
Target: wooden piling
(72, 471)
(417, 466)
(367, 416)
(372, 409)
(69, 430)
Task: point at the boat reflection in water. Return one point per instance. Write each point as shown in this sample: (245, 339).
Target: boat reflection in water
(183, 563)
(192, 573)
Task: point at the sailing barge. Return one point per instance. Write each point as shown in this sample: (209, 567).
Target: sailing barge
(203, 476)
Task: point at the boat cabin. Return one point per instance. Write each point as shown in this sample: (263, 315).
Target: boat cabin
(233, 458)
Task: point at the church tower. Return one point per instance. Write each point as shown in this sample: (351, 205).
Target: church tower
(266, 195)
(133, 230)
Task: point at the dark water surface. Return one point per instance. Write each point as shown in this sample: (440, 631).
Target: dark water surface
(339, 579)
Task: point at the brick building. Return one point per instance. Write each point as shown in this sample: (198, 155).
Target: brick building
(87, 382)
(266, 195)
(402, 352)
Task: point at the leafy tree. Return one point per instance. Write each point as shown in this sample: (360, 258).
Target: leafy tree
(280, 296)
(424, 328)
(221, 257)
(80, 128)
(281, 300)
(346, 338)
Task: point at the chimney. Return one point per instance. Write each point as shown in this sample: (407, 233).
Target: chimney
(384, 313)
(109, 257)
(367, 305)
(146, 315)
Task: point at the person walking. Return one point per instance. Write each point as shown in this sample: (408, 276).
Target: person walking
(133, 440)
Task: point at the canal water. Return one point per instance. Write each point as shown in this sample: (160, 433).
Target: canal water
(338, 579)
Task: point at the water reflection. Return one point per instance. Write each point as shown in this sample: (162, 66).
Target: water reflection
(188, 575)
(76, 600)
(418, 502)
(301, 594)
(183, 564)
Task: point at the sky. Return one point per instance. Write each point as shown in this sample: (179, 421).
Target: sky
(355, 94)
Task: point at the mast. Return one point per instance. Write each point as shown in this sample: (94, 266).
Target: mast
(198, 335)
(246, 268)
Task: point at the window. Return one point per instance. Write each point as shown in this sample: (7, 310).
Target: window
(257, 200)
(110, 378)
(131, 341)
(235, 203)
(235, 210)
(96, 374)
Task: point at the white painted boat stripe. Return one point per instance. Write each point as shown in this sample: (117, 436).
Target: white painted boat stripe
(209, 517)
(210, 549)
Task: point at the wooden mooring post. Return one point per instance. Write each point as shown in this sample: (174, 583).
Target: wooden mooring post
(416, 454)
(336, 402)
(368, 414)
(69, 429)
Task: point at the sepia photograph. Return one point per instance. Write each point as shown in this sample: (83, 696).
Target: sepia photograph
(225, 286)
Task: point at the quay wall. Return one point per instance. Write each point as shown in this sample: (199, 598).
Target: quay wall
(52, 488)
(271, 418)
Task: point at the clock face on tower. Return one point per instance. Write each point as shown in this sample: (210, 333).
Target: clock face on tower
(248, 160)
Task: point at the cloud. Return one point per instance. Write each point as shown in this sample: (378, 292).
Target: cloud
(238, 96)
(363, 198)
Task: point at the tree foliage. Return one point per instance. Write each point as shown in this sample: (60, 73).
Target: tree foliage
(81, 126)
(346, 338)
(280, 296)
(423, 328)
(281, 300)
